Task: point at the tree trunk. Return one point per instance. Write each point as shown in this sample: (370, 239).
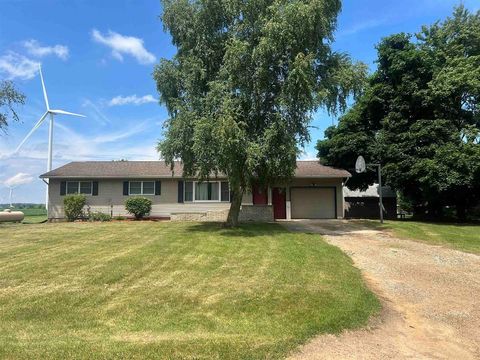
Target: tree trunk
(234, 212)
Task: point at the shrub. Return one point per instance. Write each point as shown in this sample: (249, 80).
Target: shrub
(119, 217)
(138, 206)
(99, 216)
(73, 206)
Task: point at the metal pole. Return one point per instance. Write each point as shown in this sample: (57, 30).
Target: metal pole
(50, 150)
(380, 192)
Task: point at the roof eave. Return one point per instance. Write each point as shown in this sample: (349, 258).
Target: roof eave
(46, 176)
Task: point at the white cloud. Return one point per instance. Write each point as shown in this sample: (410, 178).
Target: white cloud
(130, 138)
(18, 179)
(308, 154)
(96, 114)
(132, 99)
(16, 66)
(35, 49)
(364, 25)
(124, 45)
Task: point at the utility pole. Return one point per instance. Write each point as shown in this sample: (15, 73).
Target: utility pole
(380, 193)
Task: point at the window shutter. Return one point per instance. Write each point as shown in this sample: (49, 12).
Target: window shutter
(63, 188)
(180, 191)
(158, 187)
(224, 191)
(209, 191)
(94, 188)
(125, 188)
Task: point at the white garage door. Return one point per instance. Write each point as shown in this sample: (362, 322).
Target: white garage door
(313, 203)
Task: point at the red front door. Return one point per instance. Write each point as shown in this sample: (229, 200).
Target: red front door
(279, 203)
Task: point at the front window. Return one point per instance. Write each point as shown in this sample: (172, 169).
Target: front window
(79, 187)
(86, 187)
(148, 188)
(207, 191)
(135, 188)
(142, 188)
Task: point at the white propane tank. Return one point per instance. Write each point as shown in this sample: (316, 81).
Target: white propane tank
(9, 215)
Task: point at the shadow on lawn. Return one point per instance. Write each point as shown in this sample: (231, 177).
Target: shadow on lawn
(243, 230)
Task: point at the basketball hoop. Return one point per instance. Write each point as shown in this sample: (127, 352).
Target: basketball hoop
(360, 165)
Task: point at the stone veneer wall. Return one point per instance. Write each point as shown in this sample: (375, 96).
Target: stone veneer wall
(260, 213)
(219, 216)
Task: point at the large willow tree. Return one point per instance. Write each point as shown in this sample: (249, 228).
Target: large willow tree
(243, 85)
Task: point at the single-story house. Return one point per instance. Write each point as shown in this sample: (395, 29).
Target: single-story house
(316, 192)
(365, 204)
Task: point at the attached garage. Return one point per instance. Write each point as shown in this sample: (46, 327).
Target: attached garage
(313, 202)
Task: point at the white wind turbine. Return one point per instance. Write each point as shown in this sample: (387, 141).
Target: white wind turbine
(52, 113)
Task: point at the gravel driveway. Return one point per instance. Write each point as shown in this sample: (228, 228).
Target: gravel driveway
(430, 297)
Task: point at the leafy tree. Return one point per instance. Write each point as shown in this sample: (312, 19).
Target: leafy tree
(9, 97)
(243, 85)
(420, 117)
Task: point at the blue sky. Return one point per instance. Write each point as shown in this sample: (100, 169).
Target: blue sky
(97, 59)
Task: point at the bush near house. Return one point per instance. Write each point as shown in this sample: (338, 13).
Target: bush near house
(73, 206)
(138, 206)
(99, 216)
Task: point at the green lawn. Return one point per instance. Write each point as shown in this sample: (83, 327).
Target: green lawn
(171, 290)
(34, 216)
(463, 237)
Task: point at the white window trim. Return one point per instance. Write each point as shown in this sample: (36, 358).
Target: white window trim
(78, 188)
(206, 201)
(141, 188)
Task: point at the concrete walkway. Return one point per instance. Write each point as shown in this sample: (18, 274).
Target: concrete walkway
(430, 297)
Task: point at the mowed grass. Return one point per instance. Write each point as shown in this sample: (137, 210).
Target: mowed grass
(464, 237)
(171, 291)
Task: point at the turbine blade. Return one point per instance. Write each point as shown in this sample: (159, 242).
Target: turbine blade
(43, 86)
(39, 122)
(63, 112)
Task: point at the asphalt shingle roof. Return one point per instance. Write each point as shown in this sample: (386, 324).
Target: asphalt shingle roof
(158, 169)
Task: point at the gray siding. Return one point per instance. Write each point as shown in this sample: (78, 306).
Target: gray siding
(110, 199)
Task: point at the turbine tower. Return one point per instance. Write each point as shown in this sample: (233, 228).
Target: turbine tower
(52, 113)
(11, 196)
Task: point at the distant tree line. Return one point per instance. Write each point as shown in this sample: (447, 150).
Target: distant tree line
(23, 206)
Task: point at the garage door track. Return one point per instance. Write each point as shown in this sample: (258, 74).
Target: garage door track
(430, 297)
